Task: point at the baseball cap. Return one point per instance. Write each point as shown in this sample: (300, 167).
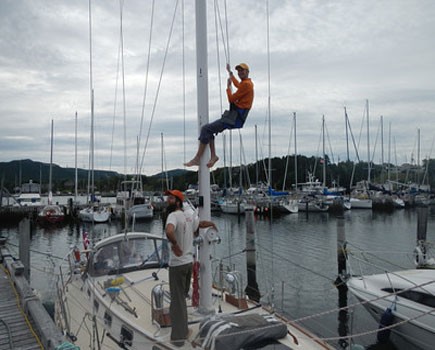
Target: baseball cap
(242, 66)
(176, 193)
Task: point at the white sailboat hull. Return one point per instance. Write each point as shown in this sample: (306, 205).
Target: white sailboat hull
(96, 215)
(358, 203)
(96, 303)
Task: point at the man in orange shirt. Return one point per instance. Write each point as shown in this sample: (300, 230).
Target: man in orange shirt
(240, 104)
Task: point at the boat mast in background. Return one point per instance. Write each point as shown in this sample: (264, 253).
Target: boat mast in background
(75, 162)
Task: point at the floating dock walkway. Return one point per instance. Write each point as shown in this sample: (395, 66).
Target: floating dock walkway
(24, 322)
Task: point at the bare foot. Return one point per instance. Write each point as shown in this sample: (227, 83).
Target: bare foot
(193, 162)
(212, 161)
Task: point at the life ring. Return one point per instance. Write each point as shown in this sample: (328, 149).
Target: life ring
(419, 258)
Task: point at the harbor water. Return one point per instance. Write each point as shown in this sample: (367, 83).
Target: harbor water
(296, 260)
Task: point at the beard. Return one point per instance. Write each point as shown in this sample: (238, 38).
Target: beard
(171, 208)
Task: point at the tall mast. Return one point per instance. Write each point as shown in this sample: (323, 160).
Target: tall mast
(268, 100)
(205, 300)
(323, 146)
(382, 150)
(368, 142)
(256, 157)
(347, 132)
(296, 153)
(50, 178)
(75, 162)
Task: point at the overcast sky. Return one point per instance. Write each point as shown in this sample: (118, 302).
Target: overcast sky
(324, 56)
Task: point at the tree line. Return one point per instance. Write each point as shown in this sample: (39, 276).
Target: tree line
(345, 174)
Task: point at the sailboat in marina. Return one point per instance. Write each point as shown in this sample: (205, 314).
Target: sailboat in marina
(360, 196)
(116, 294)
(130, 201)
(94, 212)
(51, 213)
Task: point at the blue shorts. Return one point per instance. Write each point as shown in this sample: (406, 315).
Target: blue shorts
(209, 130)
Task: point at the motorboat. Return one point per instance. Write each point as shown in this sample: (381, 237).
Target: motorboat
(408, 295)
(29, 195)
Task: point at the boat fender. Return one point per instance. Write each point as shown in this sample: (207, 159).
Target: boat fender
(117, 281)
(387, 319)
(418, 257)
(77, 254)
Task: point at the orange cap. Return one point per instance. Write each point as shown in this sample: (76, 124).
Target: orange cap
(176, 193)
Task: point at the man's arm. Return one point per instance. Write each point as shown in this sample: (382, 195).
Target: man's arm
(170, 234)
(205, 224)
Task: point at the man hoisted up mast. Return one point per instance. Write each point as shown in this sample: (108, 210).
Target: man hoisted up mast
(240, 104)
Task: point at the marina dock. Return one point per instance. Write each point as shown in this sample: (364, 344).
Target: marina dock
(24, 322)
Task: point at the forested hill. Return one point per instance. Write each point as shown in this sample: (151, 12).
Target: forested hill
(16, 172)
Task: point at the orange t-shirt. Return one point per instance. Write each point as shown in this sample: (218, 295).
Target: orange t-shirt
(244, 96)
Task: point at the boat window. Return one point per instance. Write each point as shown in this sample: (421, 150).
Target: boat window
(416, 296)
(107, 319)
(126, 336)
(96, 305)
(129, 254)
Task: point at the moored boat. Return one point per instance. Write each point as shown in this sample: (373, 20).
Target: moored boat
(51, 213)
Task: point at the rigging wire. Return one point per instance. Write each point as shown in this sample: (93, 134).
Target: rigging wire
(158, 86)
(184, 82)
(146, 73)
(114, 106)
(121, 6)
(216, 22)
(288, 153)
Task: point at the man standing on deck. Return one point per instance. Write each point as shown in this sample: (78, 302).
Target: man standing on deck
(180, 228)
(240, 104)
